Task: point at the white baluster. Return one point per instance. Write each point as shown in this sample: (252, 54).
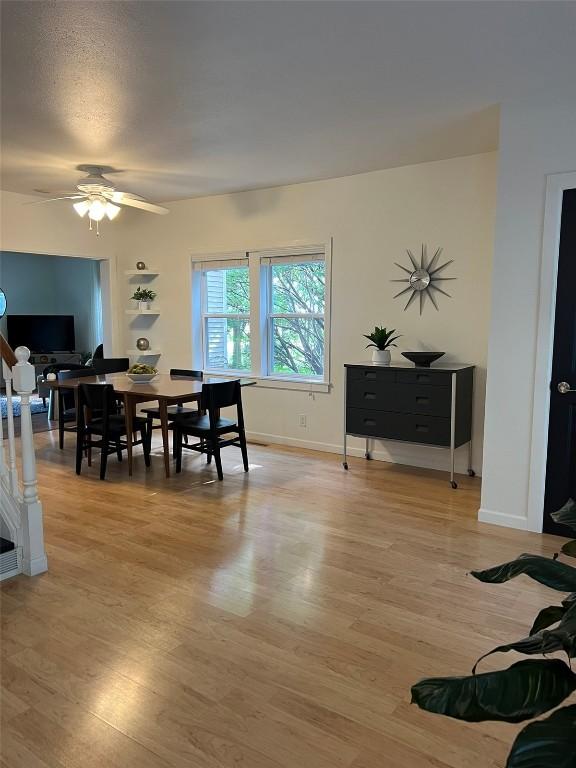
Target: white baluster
(34, 557)
(12, 471)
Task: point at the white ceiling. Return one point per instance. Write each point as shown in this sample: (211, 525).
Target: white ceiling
(197, 98)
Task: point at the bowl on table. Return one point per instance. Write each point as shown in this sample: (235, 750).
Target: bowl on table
(141, 378)
(422, 359)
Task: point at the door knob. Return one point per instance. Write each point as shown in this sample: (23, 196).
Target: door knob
(564, 387)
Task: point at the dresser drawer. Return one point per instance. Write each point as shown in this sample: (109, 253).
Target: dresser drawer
(380, 395)
(430, 378)
(432, 430)
(375, 373)
(362, 421)
(423, 399)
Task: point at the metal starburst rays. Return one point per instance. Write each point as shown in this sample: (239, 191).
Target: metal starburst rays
(422, 278)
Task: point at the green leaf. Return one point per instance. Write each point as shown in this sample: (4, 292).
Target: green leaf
(549, 743)
(552, 573)
(524, 690)
(566, 515)
(563, 638)
(547, 617)
(569, 548)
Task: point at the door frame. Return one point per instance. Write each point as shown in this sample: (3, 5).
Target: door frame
(555, 185)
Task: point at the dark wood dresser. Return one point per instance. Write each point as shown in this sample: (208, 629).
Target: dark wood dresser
(432, 406)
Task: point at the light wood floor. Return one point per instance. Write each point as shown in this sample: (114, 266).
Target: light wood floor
(275, 620)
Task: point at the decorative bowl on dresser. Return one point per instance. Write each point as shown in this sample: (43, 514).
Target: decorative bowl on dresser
(430, 406)
(423, 359)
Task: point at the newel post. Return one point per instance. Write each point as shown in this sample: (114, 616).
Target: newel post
(33, 554)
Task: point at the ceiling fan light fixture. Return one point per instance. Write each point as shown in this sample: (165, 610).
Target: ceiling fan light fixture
(81, 208)
(97, 210)
(112, 211)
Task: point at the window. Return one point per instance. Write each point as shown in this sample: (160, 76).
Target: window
(226, 317)
(265, 313)
(297, 291)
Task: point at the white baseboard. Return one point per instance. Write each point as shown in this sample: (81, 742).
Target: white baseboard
(501, 518)
(34, 567)
(436, 458)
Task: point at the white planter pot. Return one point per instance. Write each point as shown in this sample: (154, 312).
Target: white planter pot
(381, 356)
(143, 305)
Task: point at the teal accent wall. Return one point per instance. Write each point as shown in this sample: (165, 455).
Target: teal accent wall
(35, 284)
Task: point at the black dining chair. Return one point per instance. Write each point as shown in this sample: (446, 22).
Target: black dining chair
(101, 426)
(110, 365)
(173, 410)
(211, 428)
(67, 402)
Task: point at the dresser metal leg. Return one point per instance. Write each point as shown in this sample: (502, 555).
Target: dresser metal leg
(367, 453)
(345, 458)
(453, 483)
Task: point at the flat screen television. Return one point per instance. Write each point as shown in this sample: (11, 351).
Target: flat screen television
(42, 333)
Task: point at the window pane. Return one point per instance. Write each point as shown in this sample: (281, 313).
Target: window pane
(298, 345)
(298, 287)
(228, 343)
(228, 290)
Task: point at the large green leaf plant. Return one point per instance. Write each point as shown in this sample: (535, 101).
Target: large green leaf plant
(528, 688)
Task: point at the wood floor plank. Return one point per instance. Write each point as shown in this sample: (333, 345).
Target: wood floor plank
(275, 620)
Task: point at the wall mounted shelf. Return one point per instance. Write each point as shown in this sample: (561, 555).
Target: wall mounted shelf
(142, 311)
(144, 272)
(143, 352)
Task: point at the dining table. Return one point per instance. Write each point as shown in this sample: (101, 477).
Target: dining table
(164, 389)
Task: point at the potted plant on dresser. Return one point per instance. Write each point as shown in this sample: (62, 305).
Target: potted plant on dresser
(381, 339)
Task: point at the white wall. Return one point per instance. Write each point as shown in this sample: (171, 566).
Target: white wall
(535, 140)
(372, 219)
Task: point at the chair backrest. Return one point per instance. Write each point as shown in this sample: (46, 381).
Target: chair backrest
(98, 352)
(98, 398)
(111, 364)
(222, 394)
(183, 373)
(79, 373)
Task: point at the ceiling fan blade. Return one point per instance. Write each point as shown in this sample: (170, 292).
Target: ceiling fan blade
(53, 199)
(116, 196)
(133, 202)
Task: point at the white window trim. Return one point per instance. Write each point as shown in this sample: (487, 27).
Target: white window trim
(259, 302)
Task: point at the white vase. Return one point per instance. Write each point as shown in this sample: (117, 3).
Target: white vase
(143, 306)
(381, 356)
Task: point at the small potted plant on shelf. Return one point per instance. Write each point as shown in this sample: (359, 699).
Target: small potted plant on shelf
(144, 297)
(381, 340)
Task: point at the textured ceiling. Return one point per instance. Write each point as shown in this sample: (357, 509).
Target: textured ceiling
(191, 99)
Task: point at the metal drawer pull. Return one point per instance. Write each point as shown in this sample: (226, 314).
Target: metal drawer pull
(369, 395)
(423, 400)
(370, 422)
(369, 375)
(423, 377)
(422, 428)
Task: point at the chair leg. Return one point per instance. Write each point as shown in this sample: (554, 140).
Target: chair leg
(145, 445)
(149, 428)
(61, 423)
(118, 450)
(244, 449)
(79, 451)
(178, 448)
(174, 443)
(103, 459)
(218, 461)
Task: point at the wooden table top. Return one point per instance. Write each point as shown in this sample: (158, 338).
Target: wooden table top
(162, 386)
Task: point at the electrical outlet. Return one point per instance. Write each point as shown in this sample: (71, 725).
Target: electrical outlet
(303, 420)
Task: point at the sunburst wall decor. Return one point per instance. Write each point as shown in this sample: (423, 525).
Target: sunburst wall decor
(422, 278)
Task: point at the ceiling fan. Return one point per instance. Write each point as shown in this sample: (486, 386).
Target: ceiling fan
(98, 197)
